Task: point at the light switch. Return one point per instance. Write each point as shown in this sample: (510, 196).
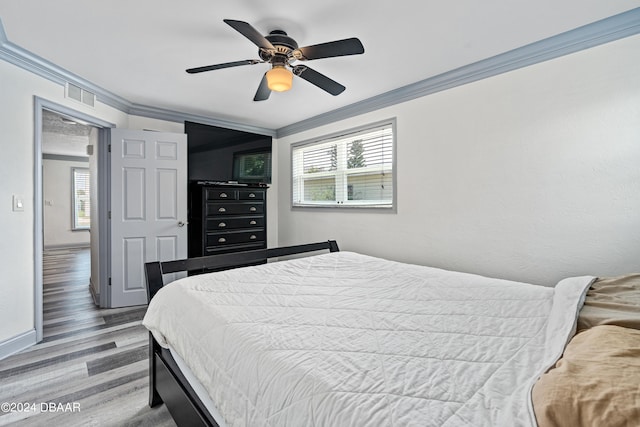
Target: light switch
(18, 203)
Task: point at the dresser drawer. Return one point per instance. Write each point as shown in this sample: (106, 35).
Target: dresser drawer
(234, 237)
(251, 194)
(234, 208)
(226, 218)
(214, 250)
(221, 194)
(222, 223)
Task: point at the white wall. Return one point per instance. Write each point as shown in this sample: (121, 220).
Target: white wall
(56, 189)
(531, 175)
(18, 88)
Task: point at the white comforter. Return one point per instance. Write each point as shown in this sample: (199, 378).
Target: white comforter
(344, 339)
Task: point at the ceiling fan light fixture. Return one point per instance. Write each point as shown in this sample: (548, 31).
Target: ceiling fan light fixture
(279, 79)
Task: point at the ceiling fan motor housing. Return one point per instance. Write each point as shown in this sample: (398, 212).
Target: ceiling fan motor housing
(281, 41)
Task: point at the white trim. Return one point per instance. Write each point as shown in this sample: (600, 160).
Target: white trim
(17, 343)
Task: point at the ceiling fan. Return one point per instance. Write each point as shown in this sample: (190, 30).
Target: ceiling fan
(280, 50)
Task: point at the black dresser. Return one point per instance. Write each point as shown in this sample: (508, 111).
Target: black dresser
(226, 218)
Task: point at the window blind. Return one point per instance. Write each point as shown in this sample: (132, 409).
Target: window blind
(81, 199)
(355, 169)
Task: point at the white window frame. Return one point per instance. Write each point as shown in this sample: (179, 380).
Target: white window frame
(74, 200)
(342, 201)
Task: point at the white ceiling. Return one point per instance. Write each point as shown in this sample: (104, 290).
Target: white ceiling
(62, 136)
(139, 50)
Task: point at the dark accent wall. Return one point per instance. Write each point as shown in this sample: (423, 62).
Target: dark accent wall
(211, 150)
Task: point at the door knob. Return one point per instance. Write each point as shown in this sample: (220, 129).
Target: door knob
(182, 223)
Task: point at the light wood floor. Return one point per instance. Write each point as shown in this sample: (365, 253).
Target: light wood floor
(93, 358)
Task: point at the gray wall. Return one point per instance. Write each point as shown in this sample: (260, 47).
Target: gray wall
(57, 177)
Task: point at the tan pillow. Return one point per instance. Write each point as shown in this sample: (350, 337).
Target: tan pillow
(595, 383)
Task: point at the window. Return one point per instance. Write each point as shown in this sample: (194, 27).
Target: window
(353, 169)
(80, 195)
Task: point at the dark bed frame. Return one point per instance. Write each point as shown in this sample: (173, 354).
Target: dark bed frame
(166, 382)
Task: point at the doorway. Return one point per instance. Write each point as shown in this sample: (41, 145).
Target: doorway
(69, 183)
(70, 144)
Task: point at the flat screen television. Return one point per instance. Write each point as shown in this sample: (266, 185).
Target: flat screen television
(252, 166)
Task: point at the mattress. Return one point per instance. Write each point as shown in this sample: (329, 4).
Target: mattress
(198, 388)
(348, 339)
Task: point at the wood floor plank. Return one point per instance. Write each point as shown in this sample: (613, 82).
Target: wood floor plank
(83, 385)
(122, 337)
(97, 358)
(33, 387)
(57, 360)
(123, 358)
(78, 331)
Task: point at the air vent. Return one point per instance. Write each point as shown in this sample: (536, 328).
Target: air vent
(81, 95)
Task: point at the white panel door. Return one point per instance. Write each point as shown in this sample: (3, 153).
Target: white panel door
(148, 208)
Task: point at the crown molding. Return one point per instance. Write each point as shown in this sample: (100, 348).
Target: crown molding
(26, 60)
(604, 31)
(175, 116)
(600, 32)
(22, 58)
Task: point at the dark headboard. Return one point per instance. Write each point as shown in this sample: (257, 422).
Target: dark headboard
(155, 270)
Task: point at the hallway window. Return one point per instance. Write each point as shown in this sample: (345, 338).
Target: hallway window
(81, 206)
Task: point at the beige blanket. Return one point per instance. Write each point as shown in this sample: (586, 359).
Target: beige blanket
(595, 383)
(612, 301)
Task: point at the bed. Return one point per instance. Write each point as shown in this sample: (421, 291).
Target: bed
(345, 339)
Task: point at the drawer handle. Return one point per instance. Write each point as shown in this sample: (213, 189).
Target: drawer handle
(222, 225)
(222, 240)
(223, 195)
(252, 209)
(252, 195)
(252, 222)
(252, 237)
(222, 210)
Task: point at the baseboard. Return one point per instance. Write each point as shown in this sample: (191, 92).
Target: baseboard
(95, 295)
(67, 246)
(17, 343)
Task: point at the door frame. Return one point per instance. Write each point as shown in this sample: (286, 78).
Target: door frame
(103, 197)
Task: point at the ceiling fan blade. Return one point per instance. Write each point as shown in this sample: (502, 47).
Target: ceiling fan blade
(220, 66)
(263, 91)
(251, 33)
(351, 46)
(318, 79)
